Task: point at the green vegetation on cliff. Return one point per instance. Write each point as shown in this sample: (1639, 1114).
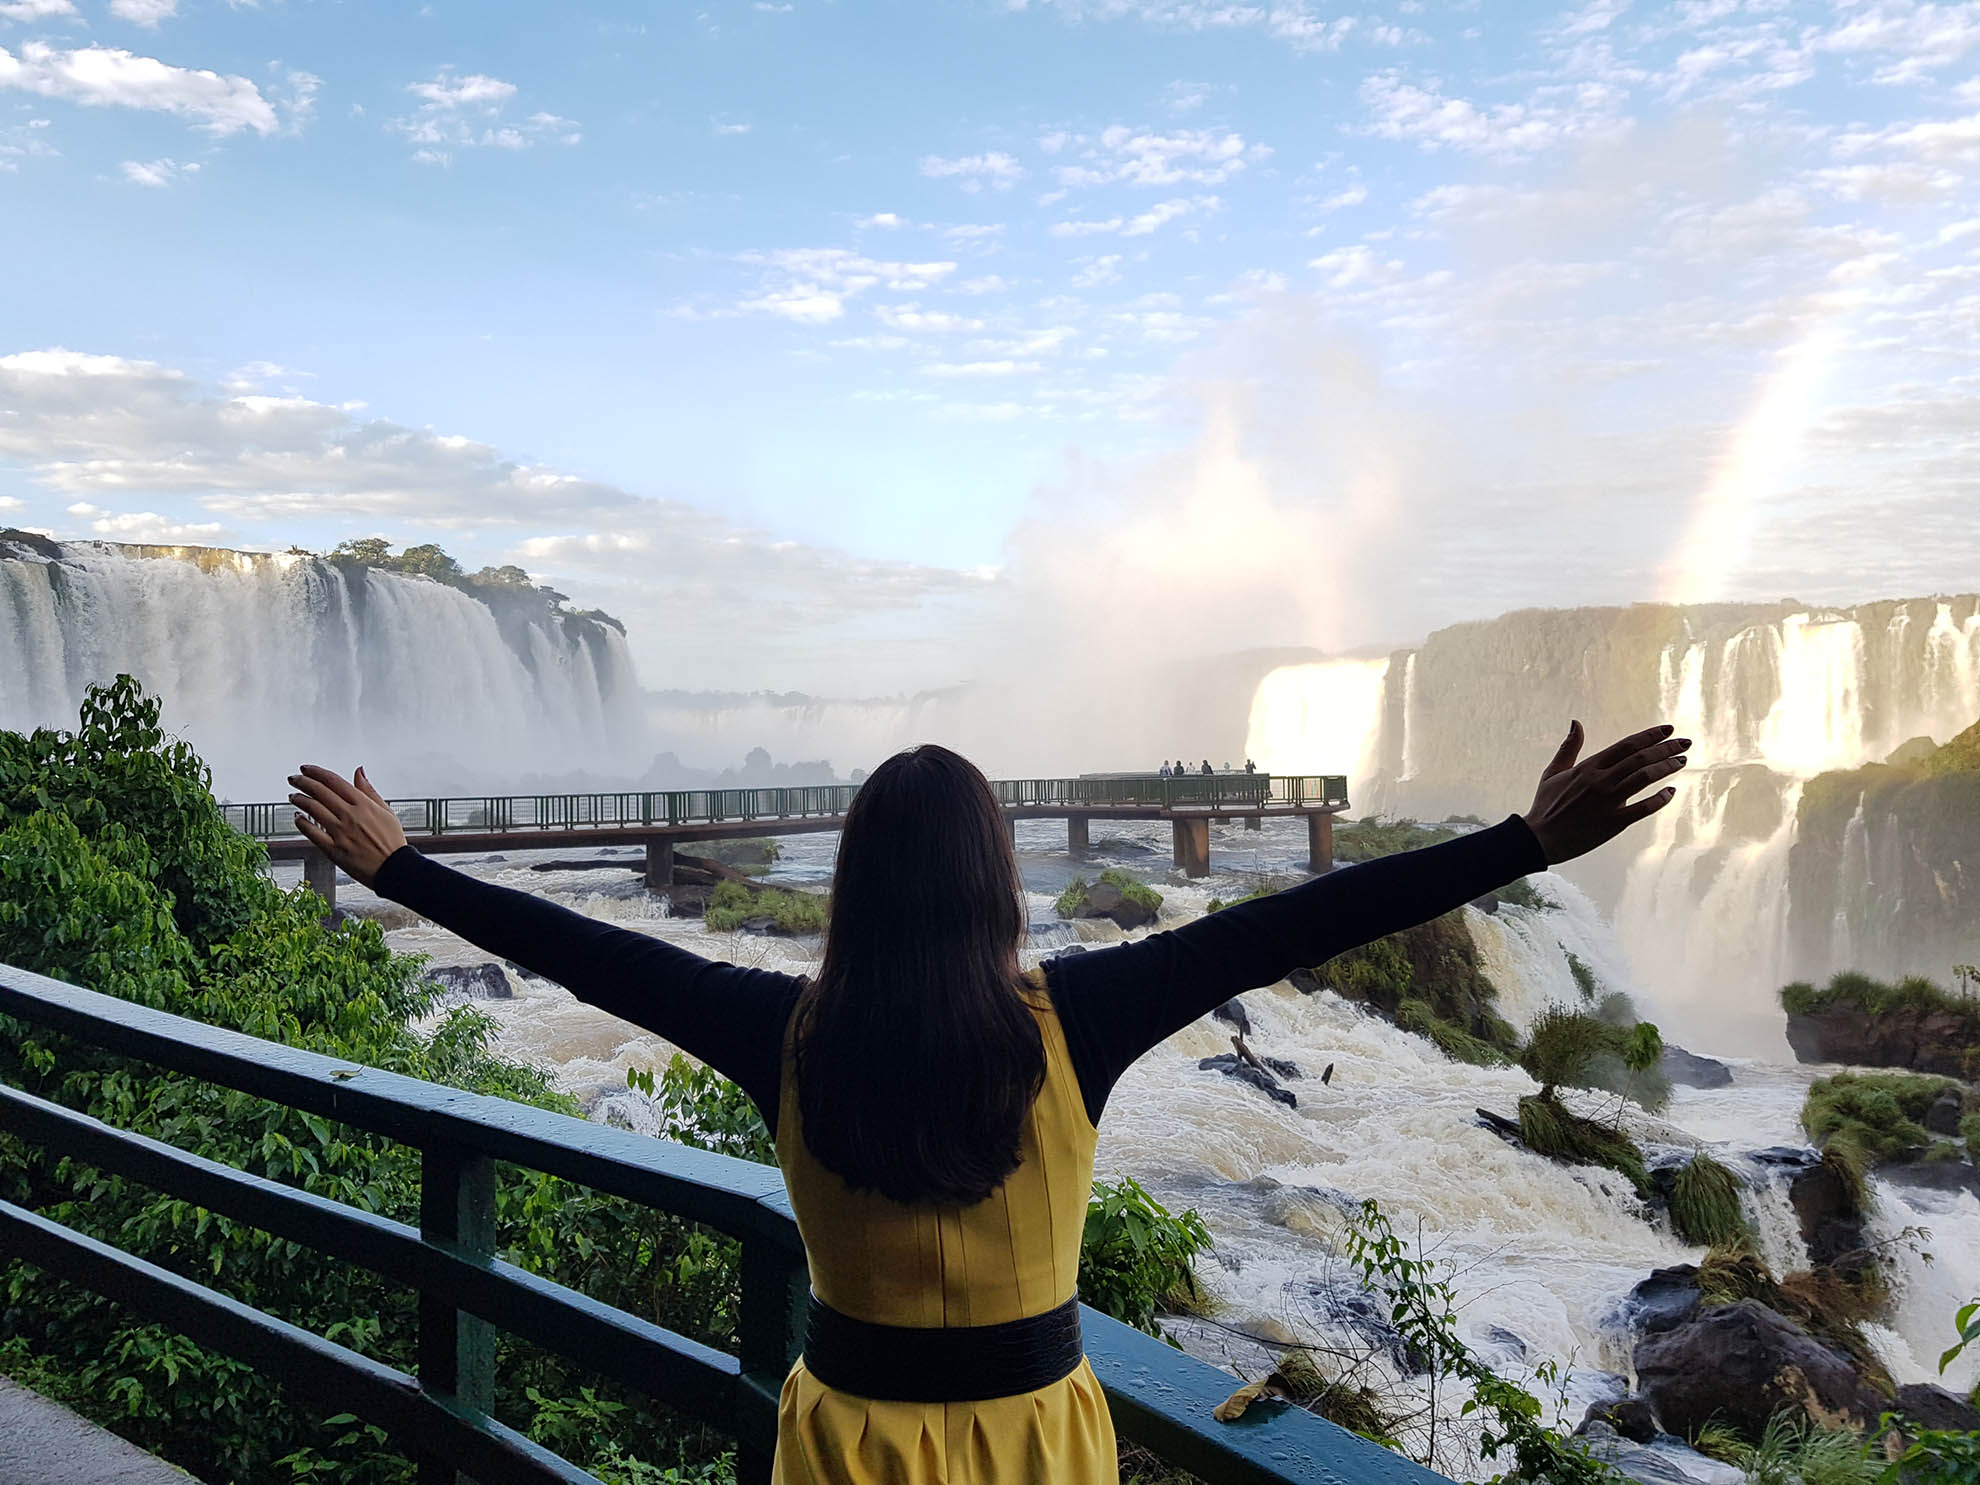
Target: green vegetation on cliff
(1367, 839)
(1428, 980)
(429, 561)
(1860, 992)
(1863, 1120)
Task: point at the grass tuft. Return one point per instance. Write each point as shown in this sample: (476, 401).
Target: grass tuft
(732, 904)
(1705, 1205)
(1549, 1129)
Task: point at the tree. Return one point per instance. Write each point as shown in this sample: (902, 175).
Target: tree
(427, 560)
(372, 551)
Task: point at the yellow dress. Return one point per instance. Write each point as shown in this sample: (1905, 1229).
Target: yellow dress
(1013, 1255)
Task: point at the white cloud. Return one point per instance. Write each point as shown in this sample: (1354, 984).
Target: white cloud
(148, 527)
(1185, 97)
(973, 231)
(12, 502)
(1141, 225)
(1912, 39)
(467, 112)
(1133, 157)
(886, 220)
(122, 438)
(158, 174)
(35, 10)
(729, 128)
(980, 368)
(1404, 111)
(105, 77)
(1352, 195)
(996, 169)
(1093, 272)
(914, 317)
(812, 285)
(989, 283)
(144, 12)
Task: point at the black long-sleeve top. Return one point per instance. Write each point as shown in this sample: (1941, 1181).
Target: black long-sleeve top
(1114, 1003)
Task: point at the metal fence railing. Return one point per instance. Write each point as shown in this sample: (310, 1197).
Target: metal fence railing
(502, 814)
(1159, 1397)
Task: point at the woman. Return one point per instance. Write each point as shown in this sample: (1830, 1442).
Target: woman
(934, 1107)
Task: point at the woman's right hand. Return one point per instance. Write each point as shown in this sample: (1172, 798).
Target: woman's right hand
(346, 820)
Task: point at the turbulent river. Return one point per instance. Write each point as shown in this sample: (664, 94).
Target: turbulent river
(1543, 1256)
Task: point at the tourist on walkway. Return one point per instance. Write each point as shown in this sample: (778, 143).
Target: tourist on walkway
(934, 1105)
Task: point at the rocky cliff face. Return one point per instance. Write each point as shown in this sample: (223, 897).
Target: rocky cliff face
(1884, 872)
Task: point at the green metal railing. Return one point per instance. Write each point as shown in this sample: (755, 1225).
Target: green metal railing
(502, 814)
(1159, 1397)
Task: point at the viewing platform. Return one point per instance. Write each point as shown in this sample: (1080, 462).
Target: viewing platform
(661, 820)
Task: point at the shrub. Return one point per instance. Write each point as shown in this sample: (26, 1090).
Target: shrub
(1705, 1205)
(1864, 1119)
(1432, 970)
(1523, 894)
(701, 1108)
(1548, 1128)
(732, 904)
(1573, 1049)
(1133, 1252)
(1859, 992)
(117, 870)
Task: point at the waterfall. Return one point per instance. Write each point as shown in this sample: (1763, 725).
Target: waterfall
(1323, 718)
(264, 661)
(1773, 696)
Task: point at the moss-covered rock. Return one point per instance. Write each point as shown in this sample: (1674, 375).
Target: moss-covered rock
(1548, 1127)
(1124, 900)
(1432, 969)
(1863, 1120)
(1910, 1023)
(733, 906)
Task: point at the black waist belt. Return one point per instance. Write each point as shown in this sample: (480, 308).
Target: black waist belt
(964, 1363)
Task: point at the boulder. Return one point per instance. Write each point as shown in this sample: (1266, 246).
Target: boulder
(1916, 1037)
(1665, 1300)
(1934, 1407)
(1306, 982)
(1489, 903)
(1831, 1223)
(1689, 1070)
(1628, 1416)
(1944, 1115)
(1741, 1364)
(1933, 1175)
(1233, 1012)
(1233, 1066)
(484, 981)
(1104, 900)
(1665, 1461)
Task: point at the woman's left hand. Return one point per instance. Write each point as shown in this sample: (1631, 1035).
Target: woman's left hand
(1580, 806)
(347, 821)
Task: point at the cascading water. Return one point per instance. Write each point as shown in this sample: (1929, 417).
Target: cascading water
(266, 660)
(1324, 718)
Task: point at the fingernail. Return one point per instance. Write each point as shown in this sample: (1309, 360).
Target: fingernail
(1684, 742)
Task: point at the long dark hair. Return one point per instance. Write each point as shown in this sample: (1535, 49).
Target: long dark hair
(917, 1058)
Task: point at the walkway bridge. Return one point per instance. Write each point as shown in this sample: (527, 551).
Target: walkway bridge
(660, 821)
(440, 1414)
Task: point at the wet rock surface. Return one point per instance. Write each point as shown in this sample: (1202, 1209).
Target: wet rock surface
(1233, 1066)
(472, 981)
(1665, 1300)
(1104, 900)
(1689, 1070)
(1742, 1363)
(1934, 1407)
(1923, 1040)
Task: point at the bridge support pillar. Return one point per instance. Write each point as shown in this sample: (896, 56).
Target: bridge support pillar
(659, 865)
(320, 876)
(1076, 840)
(1319, 841)
(1254, 822)
(1192, 845)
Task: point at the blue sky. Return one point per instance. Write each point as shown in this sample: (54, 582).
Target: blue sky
(861, 347)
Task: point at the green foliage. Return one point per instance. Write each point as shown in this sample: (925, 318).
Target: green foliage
(430, 561)
(1423, 1310)
(1523, 894)
(1794, 1453)
(1705, 1205)
(1548, 1128)
(1961, 755)
(1864, 1119)
(701, 1108)
(1263, 889)
(118, 871)
(1133, 1252)
(1365, 840)
(1132, 890)
(1967, 1323)
(1584, 977)
(1573, 1049)
(1428, 980)
(1969, 1131)
(1932, 1456)
(732, 904)
(1860, 992)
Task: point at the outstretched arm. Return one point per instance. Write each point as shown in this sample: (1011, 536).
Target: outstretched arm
(730, 1018)
(1119, 1002)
